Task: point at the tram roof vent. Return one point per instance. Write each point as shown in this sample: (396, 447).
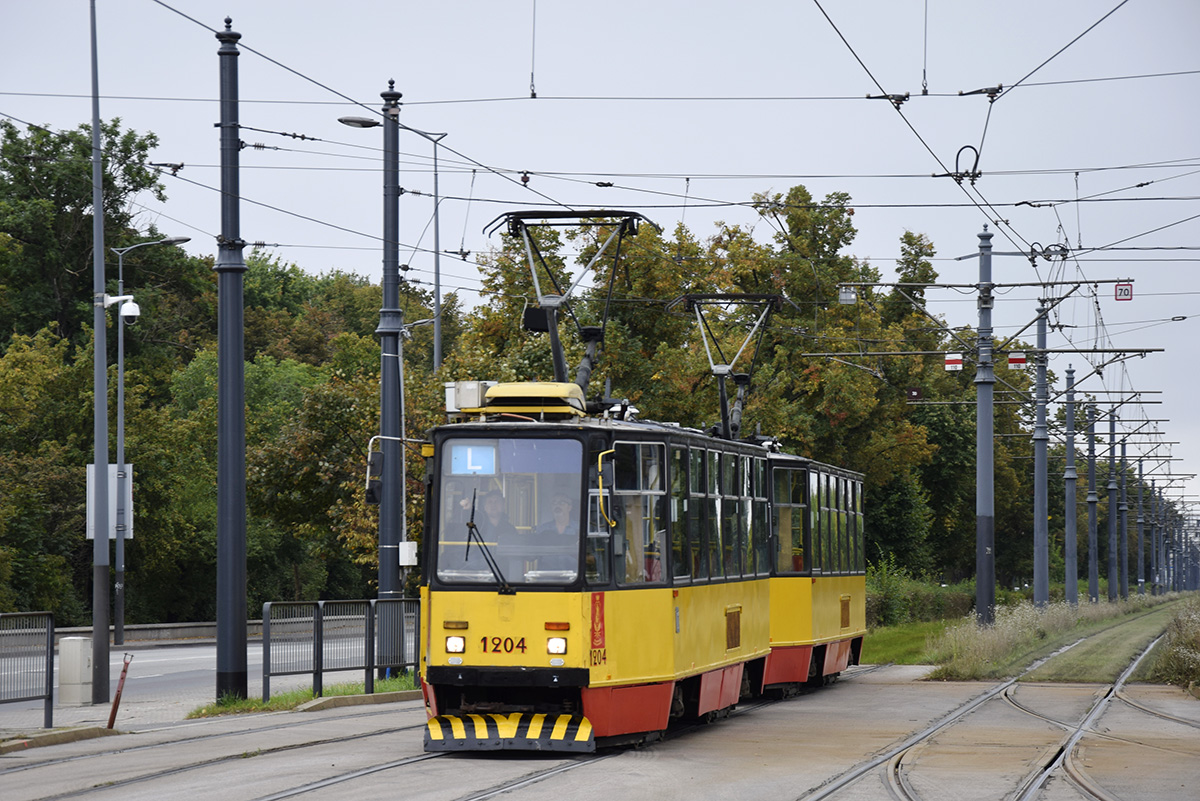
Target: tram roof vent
(537, 398)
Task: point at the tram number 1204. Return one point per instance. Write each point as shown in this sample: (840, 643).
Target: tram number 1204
(599, 657)
(505, 645)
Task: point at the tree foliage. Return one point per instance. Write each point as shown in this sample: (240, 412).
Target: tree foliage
(46, 220)
(829, 381)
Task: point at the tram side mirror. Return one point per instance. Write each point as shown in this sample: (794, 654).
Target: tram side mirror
(374, 478)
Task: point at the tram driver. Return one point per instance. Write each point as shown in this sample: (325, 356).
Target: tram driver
(557, 537)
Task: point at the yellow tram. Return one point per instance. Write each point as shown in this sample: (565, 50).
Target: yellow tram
(588, 579)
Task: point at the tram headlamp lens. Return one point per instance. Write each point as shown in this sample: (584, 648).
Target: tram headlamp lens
(455, 645)
(556, 645)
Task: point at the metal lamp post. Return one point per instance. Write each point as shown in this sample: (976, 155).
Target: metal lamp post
(127, 311)
(391, 324)
(435, 138)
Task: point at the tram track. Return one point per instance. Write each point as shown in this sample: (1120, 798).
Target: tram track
(127, 749)
(177, 770)
(1063, 759)
(215, 761)
(896, 772)
(299, 766)
(534, 778)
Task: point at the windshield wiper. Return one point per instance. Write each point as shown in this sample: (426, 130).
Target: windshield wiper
(473, 533)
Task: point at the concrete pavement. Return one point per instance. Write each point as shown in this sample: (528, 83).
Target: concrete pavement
(147, 704)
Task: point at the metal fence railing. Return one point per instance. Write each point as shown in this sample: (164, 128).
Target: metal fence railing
(27, 659)
(321, 636)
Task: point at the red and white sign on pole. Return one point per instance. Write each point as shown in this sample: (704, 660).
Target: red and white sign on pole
(1124, 291)
(1016, 359)
(953, 361)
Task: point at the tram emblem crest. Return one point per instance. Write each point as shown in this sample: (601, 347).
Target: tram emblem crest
(597, 620)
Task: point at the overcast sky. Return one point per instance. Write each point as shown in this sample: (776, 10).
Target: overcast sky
(688, 108)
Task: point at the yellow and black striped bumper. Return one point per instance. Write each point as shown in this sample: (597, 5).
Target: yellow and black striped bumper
(515, 732)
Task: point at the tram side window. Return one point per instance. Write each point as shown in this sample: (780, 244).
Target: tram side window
(746, 526)
(731, 513)
(716, 563)
(844, 524)
(747, 519)
(789, 521)
(734, 508)
(695, 515)
(814, 521)
(596, 555)
(835, 520)
(759, 523)
(847, 531)
(716, 559)
(829, 516)
(859, 531)
(681, 560)
(640, 497)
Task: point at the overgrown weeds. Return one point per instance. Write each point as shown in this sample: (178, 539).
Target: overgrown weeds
(1179, 659)
(968, 651)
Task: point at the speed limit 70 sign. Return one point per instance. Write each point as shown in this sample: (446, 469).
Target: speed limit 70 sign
(1124, 292)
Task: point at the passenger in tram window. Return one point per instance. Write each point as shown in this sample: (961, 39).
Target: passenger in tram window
(557, 539)
(561, 522)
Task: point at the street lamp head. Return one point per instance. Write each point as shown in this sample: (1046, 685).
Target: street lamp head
(170, 240)
(359, 122)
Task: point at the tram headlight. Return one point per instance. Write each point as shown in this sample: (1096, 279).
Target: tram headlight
(556, 645)
(455, 645)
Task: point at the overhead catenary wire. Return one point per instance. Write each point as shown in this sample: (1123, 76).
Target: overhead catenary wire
(740, 99)
(1027, 84)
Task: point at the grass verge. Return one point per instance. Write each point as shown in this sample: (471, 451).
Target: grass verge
(1108, 652)
(290, 699)
(903, 644)
(1023, 633)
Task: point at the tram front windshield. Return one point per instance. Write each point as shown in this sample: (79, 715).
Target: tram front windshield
(508, 511)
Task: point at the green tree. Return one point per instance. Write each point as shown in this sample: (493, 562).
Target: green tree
(42, 477)
(46, 220)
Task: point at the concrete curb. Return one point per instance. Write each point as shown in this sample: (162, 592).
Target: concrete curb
(336, 701)
(55, 738)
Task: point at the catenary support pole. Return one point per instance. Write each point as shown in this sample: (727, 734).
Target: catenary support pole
(1153, 539)
(1041, 523)
(1114, 581)
(100, 561)
(1070, 536)
(231, 392)
(1124, 522)
(391, 324)
(985, 510)
(1141, 537)
(1092, 500)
